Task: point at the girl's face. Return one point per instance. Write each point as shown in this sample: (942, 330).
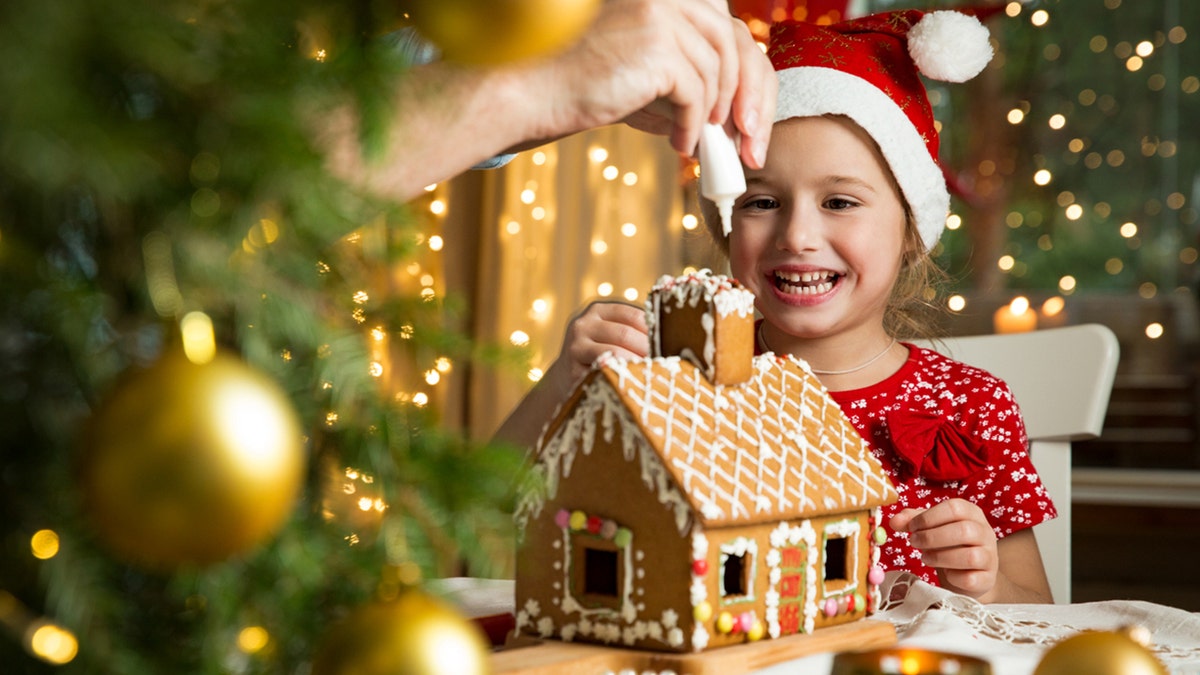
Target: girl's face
(818, 235)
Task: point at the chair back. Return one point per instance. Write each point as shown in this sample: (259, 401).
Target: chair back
(1062, 379)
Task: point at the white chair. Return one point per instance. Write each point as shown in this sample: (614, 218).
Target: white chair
(1061, 378)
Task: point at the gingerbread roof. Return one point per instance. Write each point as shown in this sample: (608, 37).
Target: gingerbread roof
(772, 448)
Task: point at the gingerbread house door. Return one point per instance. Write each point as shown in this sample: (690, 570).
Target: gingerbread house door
(794, 570)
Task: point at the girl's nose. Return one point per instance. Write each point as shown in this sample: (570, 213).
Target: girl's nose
(799, 231)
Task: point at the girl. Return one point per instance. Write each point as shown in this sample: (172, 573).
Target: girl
(832, 236)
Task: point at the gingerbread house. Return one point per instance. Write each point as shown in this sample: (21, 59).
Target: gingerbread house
(700, 497)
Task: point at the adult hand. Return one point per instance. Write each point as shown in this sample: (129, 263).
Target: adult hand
(668, 67)
(954, 538)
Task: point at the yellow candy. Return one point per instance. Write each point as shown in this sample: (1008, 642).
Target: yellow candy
(578, 520)
(725, 622)
(702, 612)
(757, 631)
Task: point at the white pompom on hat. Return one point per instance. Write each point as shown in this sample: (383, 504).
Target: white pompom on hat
(867, 69)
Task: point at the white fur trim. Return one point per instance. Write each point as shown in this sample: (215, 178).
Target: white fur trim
(949, 46)
(809, 91)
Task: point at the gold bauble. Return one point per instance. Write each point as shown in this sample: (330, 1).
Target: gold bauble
(187, 464)
(1099, 653)
(415, 634)
(498, 31)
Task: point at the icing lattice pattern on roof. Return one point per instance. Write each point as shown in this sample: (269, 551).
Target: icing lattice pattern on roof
(775, 447)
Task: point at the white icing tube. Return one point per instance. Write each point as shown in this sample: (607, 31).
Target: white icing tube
(721, 176)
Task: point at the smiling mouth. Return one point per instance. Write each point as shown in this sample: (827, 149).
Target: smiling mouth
(806, 283)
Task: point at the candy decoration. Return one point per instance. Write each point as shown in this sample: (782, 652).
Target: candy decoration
(875, 576)
(578, 520)
(756, 631)
(593, 524)
(725, 623)
(880, 536)
(745, 622)
(860, 602)
(622, 537)
(700, 567)
(562, 518)
(609, 529)
(702, 612)
(831, 607)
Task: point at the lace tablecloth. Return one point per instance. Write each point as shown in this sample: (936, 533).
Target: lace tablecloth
(1014, 637)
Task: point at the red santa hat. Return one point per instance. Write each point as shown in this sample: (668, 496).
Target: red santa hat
(867, 69)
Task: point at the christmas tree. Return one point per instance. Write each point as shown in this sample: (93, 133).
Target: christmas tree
(158, 163)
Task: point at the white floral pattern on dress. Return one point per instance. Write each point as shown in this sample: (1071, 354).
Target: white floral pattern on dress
(1008, 490)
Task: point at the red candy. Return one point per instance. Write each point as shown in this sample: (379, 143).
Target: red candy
(593, 524)
(700, 567)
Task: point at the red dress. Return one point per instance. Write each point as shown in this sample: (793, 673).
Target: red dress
(944, 429)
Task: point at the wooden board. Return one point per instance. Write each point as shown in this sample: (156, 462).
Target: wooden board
(552, 657)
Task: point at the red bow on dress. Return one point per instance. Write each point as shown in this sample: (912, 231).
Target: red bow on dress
(934, 447)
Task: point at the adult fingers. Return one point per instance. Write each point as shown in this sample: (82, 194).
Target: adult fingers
(754, 100)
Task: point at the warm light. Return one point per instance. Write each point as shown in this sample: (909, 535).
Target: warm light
(539, 158)
(631, 294)
(1144, 48)
(365, 504)
(426, 280)
(199, 344)
(1189, 255)
(1074, 212)
(535, 374)
(378, 334)
(1039, 18)
(44, 544)
(629, 229)
(630, 179)
(1019, 305)
(52, 643)
(1154, 330)
(512, 227)
(1013, 9)
(431, 187)
(527, 196)
(252, 639)
(956, 303)
(690, 222)
(610, 172)
(1006, 262)
(375, 369)
(604, 290)
(436, 243)
(1134, 64)
(1066, 284)
(1075, 145)
(1114, 266)
(360, 297)
(437, 207)
(519, 338)
(537, 213)
(1147, 290)
(910, 664)
(1057, 121)
(540, 306)
(432, 377)
(599, 246)
(420, 399)
(1053, 306)
(597, 154)
(1042, 177)
(953, 221)
(1129, 230)
(443, 364)
(1016, 116)
(1014, 317)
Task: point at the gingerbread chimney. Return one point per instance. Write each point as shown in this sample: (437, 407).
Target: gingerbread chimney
(707, 319)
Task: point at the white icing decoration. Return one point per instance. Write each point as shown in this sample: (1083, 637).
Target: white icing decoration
(675, 637)
(567, 633)
(533, 607)
(545, 626)
(670, 618)
(699, 638)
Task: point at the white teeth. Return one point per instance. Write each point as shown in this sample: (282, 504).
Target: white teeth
(806, 283)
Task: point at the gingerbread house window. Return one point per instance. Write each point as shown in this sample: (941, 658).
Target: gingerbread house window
(836, 559)
(597, 572)
(737, 570)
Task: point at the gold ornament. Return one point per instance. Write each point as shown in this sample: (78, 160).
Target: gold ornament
(498, 31)
(1100, 653)
(414, 634)
(188, 464)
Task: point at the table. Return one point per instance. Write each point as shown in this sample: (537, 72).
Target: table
(1011, 637)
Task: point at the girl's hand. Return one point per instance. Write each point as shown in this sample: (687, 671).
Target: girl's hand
(955, 538)
(602, 327)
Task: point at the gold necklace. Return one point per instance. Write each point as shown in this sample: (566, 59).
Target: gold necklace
(763, 338)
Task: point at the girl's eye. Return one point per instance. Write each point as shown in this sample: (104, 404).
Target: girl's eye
(839, 204)
(761, 203)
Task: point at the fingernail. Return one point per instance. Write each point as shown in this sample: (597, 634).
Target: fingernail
(750, 123)
(760, 152)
